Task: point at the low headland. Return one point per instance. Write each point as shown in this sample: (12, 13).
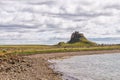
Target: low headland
(30, 62)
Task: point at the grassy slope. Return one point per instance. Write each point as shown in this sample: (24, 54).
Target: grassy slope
(82, 43)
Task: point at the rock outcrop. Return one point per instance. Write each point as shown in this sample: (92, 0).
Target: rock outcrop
(77, 40)
(77, 37)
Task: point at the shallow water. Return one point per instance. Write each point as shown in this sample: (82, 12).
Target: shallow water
(90, 67)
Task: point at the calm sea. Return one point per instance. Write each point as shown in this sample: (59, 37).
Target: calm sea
(89, 67)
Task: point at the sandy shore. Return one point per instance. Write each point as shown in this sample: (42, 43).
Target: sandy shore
(36, 67)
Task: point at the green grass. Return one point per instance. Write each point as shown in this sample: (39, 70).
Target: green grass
(80, 44)
(40, 49)
(22, 48)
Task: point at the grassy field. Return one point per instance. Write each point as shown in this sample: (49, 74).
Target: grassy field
(38, 49)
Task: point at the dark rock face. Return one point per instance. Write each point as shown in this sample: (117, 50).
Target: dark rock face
(76, 37)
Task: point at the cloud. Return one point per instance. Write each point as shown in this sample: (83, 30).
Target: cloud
(51, 21)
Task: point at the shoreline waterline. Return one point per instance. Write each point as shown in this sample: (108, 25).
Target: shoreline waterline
(39, 66)
(62, 56)
(94, 67)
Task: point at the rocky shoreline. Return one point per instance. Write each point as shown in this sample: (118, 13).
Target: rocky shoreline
(25, 68)
(36, 67)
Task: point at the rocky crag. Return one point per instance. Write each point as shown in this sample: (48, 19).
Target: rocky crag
(77, 37)
(77, 40)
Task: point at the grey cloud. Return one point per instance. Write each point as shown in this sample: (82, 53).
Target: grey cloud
(42, 3)
(52, 26)
(15, 28)
(114, 6)
(77, 17)
(57, 38)
(118, 31)
(28, 9)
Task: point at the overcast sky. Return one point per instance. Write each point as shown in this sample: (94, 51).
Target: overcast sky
(51, 21)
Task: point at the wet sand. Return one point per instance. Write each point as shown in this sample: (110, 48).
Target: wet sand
(37, 67)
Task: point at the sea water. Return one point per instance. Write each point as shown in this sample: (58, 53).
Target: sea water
(89, 67)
